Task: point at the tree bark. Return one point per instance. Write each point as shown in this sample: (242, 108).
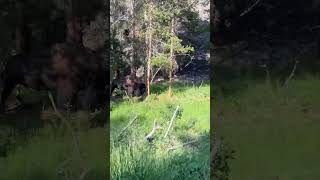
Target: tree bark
(74, 34)
(132, 43)
(171, 58)
(149, 54)
(22, 34)
(217, 23)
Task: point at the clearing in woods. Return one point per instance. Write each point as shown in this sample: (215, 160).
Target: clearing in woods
(182, 154)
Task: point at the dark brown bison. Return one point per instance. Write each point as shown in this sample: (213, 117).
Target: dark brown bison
(130, 84)
(69, 70)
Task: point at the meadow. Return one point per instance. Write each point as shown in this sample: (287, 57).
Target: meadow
(35, 144)
(273, 129)
(182, 154)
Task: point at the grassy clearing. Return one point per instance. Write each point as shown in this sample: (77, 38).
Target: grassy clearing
(49, 153)
(133, 157)
(273, 130)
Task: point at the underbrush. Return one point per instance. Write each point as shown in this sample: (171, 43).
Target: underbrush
(182, 152)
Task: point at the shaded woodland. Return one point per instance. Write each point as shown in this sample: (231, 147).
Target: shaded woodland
(54, 89)
(52, 46)
(252, 34)
(265, 72)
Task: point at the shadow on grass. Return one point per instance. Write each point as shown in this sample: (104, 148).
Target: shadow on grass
(52, 156)
(149, 161)
(261, 119)
(17, 127)
(34, 145)
(178, 87)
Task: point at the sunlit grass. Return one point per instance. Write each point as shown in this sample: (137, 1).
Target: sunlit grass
(132, 157)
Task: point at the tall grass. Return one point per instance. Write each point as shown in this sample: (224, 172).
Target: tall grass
(133, 157)
(49, 154)
(274, 130)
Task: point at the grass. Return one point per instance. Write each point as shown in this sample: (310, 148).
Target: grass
(43, 156)
(34, 146)
(133, 157)
(274, 130)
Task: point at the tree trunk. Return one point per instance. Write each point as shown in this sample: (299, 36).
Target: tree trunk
(22, 33)
(217, 22)
(149, 55)
(171, 59)
(132, 43)
(74, 34)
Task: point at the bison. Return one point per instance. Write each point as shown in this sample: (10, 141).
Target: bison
(130, 84)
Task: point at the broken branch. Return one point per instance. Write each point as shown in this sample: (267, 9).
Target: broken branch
(129, 124)
(171, 121)
(250, 8)
(150, 136)
(292, 73)
(155, 74)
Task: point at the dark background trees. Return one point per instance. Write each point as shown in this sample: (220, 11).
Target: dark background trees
(35, 24)
(250, 34)
(236, 19)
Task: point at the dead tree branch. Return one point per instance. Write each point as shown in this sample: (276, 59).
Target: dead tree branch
(292, 73)
(155, 127)
(171, 121)
(155, 74)
(250, 8)
(129, 124)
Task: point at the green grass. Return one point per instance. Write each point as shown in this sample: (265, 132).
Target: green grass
(49, 153)
(273, 130)
(133, 157)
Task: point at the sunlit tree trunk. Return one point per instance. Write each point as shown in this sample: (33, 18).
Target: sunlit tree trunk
(149, 55)
(133, 47)
(171, 58)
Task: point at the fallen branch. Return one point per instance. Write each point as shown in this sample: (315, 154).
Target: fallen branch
(182, 145)
(155, 127)
(292, 73)
(129, 124)
(250, 8)
(200, 84)
(171, 121)
(84, 173)
(155, 74)
(95, 113)
(191, 60)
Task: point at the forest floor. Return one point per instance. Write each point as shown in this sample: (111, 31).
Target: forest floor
(182, 154)
(273, 129)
